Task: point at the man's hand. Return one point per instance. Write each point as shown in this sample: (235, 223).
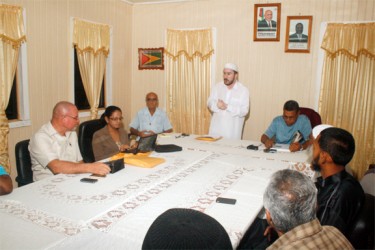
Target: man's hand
(295, 146)
(99, 168)
(221, 104)
(145, 133)
(124, 147)
(268, 232)
(268, 143)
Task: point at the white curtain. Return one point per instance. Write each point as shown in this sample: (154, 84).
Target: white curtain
(91, 41)
(188, 66)
(347, 98)
(11, 36)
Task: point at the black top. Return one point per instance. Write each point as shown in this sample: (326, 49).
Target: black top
(340, 198)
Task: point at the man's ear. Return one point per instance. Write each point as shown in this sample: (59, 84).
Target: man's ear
(269, 218)
(325, 157)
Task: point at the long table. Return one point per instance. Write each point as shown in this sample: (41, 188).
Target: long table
(63, 213)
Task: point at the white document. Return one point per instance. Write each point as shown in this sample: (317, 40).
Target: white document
(281, 147)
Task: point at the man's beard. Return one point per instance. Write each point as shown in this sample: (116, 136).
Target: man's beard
(227, 82)
(315, 165)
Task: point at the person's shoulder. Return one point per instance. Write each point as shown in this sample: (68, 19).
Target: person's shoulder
(303, 118)
(241, 86)
(101, 131)
(278, 118)
(46, 130)
(2, 171)
(350, 186)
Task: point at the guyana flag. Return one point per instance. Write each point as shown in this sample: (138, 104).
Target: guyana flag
(261, 15)
(151, 58)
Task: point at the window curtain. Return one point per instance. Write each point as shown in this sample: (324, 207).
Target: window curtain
(91, 41)
(188, 60)
(347, 97)
(11, 36)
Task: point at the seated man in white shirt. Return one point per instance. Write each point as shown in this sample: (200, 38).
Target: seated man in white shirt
(151, 119)
(54, 148)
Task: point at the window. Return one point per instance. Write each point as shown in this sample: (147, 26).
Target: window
(80, 97)
(18, 112)
(12, 110)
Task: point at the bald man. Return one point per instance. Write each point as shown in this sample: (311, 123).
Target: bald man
(151, 119)
(54, 148)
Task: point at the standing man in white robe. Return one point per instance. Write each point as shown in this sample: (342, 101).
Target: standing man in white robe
(229, 102)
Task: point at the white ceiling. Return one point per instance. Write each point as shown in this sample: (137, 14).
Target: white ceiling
(155, 1)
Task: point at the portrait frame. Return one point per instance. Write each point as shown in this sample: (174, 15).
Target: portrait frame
(151, 58)
(293, 44)
(267, 32)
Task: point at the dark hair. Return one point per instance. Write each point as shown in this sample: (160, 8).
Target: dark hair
(182, 228)
(338, 143)
(291, 105)
(109, 111)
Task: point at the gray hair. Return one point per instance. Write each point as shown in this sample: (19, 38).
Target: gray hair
(290, 197)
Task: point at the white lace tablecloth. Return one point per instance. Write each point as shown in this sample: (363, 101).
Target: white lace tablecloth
(63, 213)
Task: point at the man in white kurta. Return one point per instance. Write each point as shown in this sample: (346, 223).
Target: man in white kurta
(229, 102)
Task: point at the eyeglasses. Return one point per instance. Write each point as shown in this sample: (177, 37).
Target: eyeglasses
(151, 99)
(73, 117)
(116, 118)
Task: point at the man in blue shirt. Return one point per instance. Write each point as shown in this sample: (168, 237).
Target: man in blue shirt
(150, 120)
(6, 185)
(283, 129)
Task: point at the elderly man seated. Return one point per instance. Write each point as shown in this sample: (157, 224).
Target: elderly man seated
(290, 201)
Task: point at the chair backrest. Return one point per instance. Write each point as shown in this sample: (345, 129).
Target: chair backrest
(85, 134)
(362, 236)
(313, 116)
(23, 163)
(368, 180)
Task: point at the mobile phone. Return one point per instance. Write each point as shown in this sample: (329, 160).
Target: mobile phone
(252, 147)
(269, 150)
(226, 200)
(89, 180)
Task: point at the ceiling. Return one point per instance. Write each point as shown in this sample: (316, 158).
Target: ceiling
(155, 1)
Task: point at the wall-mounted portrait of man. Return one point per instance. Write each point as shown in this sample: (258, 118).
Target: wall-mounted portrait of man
(267, 22)
(298, 34)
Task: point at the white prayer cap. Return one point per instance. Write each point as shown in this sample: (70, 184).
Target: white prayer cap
(317, 129)
(231, 66)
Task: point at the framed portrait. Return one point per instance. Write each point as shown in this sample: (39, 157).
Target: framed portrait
(267, 22)
(151, 58)
(298, 34)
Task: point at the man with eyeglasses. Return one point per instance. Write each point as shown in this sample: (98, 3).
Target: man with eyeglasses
(151, 119)
(54, 148)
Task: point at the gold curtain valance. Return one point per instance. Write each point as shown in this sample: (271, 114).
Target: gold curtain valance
(91, 37)
(189, 43)
(350, 39)
(11, 26)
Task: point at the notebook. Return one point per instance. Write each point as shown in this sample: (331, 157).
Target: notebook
(145, 144)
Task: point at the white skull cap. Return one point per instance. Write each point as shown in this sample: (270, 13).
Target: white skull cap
(317, 129)
(231, 66)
